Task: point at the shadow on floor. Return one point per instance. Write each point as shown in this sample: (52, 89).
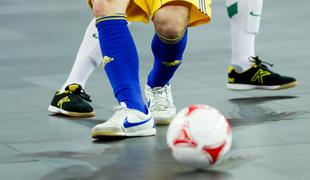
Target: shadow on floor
(253, 111)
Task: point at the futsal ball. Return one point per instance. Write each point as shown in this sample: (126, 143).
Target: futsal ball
(199, 136)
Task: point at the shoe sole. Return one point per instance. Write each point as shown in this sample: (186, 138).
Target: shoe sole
(57, 110)
(162, 122)
(107, 134)
(244, 87)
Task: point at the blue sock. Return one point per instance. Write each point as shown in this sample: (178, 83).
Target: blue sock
(121, 60)
(167, 58)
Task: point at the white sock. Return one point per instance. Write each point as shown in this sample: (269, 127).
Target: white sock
(243, 27)
(88, 58)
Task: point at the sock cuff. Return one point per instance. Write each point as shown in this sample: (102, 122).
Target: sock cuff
(171, 41)
(110, 17)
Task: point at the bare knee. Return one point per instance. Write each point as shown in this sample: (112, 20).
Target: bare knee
(109, 7)
(170, 21)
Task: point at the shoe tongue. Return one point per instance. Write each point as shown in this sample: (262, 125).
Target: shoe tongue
(73, 87)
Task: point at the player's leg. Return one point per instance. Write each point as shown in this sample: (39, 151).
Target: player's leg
(168, 45)
(244, 25)
(87, 60)
(171, 22)
(246, 71)
(122, 68)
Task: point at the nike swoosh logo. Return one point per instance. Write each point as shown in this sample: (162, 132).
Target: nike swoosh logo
(252, 13)
(95, 35)
(128, 124)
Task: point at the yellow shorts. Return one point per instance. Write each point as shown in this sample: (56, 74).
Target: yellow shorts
(143, 10)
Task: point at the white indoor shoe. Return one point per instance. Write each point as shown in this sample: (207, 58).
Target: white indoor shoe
(125, 122)
(160, 103)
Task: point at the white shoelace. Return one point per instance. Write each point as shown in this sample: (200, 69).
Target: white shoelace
(160, 98)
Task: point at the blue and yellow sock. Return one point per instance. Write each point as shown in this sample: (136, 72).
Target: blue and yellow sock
(121, 60)
(168, 55)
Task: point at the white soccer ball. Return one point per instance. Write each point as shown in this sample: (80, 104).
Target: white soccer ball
(199, 136)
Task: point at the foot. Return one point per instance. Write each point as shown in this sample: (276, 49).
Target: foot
(258, 77)
(125, 122)
(72, 102)
(160, 103)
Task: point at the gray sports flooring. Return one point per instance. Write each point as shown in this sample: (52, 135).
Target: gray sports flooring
(38, 42)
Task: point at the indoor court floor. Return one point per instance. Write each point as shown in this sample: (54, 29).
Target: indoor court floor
(38, 42)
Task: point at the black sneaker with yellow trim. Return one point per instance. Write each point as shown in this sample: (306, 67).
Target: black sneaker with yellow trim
(258, 77)
(72, 102)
